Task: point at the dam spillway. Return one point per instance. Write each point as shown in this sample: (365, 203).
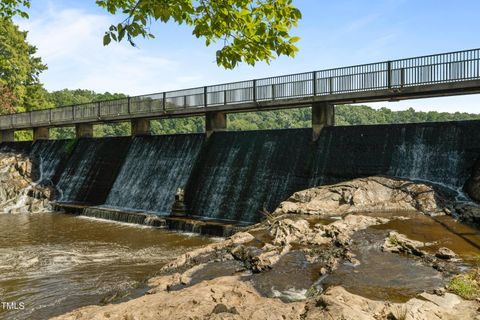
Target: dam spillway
(154, 168)
(235, 176)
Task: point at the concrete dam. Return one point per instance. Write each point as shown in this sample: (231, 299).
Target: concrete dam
(236, 176)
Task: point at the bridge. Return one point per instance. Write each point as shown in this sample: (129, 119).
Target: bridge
(445, 74)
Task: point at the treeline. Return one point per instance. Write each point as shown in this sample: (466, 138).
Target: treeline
(294, 118)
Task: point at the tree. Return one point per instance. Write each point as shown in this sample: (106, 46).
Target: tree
(248, 30)
(20, 87)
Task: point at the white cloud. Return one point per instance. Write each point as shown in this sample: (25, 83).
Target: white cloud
(70, 42)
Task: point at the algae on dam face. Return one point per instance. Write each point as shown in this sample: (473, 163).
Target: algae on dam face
(154, 168)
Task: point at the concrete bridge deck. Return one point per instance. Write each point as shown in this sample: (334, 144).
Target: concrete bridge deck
(446, 74)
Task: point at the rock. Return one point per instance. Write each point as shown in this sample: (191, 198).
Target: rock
(373, 194)
(446, 301)
(472, 186)
(285, 231)
(214, 248)
(341, 230)
(399, 243)
(468, 213)
(18, 192)
(256, 259)
(221, 308)
(445, 253)
(163, 283)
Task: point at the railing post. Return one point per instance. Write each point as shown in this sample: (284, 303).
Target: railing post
(31, 122)
(184, 102)
(205, 96)
(164, 101)
(99, 113)
(73, 113)
(402, 77)
(273, 92)
(330, 85)
(128, 105)
(50, 116)
(224, 96)
(254, 90)
(389, 74)
(314, 77)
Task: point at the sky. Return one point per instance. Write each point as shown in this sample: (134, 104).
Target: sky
(68, 35)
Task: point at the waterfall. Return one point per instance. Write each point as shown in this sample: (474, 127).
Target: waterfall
(438, 153)
(154, 168)
(432, 155)
(241, 174)
(92, 169)
(48, 158)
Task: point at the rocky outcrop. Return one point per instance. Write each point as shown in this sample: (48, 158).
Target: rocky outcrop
(371, 194)
(18, 193)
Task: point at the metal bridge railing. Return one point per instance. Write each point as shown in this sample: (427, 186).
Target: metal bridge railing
(418, 71)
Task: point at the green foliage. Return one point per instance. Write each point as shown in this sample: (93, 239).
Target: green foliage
(20, 88)
(62, 133)
(353, 115)
(466, 285)
(23, 135)
(112, 129)
(68, 97)
(10, 8)
(393, 240)
(249, 31)
(178, 125)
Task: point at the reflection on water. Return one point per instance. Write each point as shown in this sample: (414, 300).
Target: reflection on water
(53, 263)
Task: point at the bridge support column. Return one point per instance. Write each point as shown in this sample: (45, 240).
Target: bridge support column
(41, 133)
(215, 121)
(140, 127)
(323, 115)
(8, 135)
(84, 130)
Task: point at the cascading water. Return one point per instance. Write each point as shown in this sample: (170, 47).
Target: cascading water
(154, 168)
(432, 155)
(241, 174)
(92, 169)
(48, 158)
(439, 153)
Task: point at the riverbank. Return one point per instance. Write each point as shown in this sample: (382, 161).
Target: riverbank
(347, 251)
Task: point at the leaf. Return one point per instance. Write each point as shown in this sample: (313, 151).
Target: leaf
(106, 39)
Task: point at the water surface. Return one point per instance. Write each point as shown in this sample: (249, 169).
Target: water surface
(54, 263)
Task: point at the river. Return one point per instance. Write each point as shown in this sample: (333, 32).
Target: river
(54, 263)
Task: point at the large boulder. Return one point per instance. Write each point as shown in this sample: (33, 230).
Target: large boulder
(373, 194)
